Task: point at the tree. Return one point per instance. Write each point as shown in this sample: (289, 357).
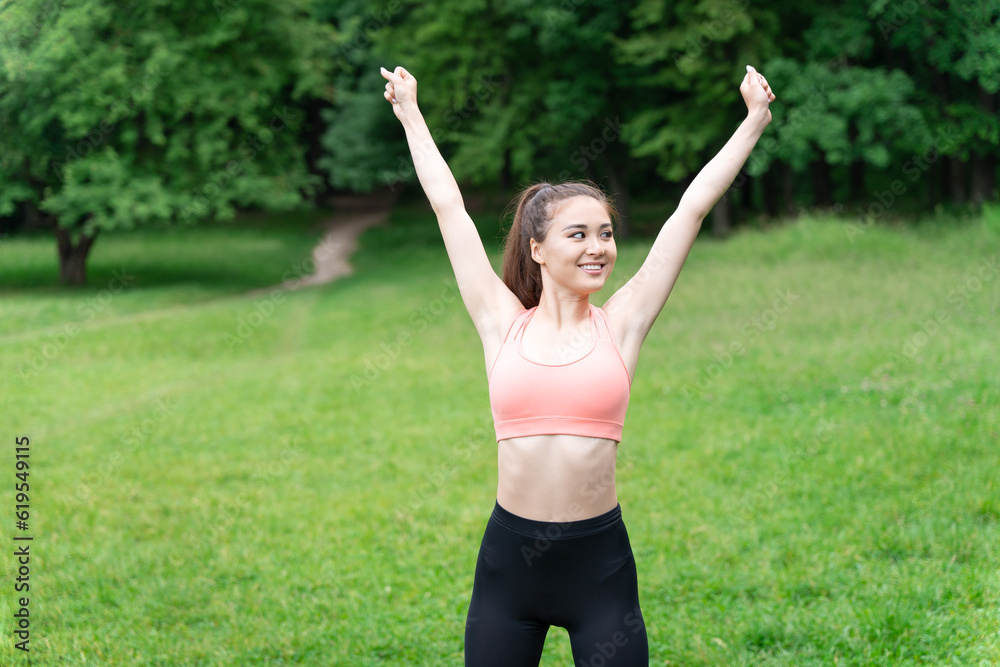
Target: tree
(116, 115)
(694, 53)
(361, 147)
(837, 115)
(513, 90)
(952, 50)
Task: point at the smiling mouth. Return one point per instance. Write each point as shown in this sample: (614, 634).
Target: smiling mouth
(593, 269)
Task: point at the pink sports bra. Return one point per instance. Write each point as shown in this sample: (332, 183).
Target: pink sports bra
(586, 397)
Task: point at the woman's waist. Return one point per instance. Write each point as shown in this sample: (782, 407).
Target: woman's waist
(557, 477)
(561, 529)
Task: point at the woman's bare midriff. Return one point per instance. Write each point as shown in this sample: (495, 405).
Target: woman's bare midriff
(557, 477)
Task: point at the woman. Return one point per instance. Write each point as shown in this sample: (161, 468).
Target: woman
(555, 550)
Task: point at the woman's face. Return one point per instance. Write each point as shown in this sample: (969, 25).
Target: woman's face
(579, 234)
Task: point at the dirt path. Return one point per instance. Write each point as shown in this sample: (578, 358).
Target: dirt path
(353, 215)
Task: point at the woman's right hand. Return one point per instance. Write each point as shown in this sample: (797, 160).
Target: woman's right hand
(757, 93)
(400, 91)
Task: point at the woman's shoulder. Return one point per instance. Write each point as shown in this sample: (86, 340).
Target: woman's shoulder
(511, 317)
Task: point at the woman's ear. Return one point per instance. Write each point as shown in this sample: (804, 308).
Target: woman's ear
(536, 251)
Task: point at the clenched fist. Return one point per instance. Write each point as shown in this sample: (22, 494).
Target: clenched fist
(401, 91)
(757, 93)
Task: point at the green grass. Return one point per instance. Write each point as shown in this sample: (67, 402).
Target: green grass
(315, 492)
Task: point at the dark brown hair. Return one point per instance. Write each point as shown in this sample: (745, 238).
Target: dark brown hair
(533, 214)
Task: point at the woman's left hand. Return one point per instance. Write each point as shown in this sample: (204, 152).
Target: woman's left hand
(756, 93)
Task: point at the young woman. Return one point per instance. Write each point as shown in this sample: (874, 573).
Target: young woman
(555, 550)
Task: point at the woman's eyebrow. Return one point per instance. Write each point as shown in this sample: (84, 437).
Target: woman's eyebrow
(582, 226)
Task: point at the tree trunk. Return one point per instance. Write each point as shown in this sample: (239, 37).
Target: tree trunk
(33, 218)
(983, 176)
(618, 175)
(933, 188)
(314, 149)
(944, 177)
(822, 184)
(506, 177)
(788, 190)
(772, 191)
(991, 102)
(856, 170)
(592, 173)
(746, 184)
(952, 168)
(73, 258)
(746, 195)
(856, 185)
(956, 180)
(721, 218)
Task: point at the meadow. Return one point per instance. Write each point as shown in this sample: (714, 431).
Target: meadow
(808, 471)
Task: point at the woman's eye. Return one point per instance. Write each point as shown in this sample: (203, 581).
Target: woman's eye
(609, 234)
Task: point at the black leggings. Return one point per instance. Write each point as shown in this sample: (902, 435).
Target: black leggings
(579, 575)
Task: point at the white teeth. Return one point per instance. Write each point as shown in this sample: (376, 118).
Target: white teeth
(592, 267)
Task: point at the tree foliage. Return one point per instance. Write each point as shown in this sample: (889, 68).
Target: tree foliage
(115, 115)
(512, 91)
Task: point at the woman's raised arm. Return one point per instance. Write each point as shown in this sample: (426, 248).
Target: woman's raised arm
(483, 292)
(435, 177)
(639, 301)
(716, 177)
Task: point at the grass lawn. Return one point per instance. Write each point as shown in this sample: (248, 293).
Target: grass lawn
(808, 472)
